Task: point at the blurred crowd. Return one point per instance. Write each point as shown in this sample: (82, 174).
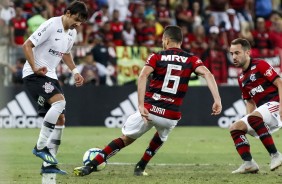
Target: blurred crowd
(208, 27)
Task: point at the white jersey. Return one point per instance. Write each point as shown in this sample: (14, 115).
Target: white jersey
(51, 43)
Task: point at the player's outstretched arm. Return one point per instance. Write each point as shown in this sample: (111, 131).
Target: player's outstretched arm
(208, 76)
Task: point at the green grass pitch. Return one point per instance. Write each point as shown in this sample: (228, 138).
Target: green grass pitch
(194, 155)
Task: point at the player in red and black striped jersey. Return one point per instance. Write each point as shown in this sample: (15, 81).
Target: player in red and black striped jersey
(261, 87)
(256, 82)
(159, 105)
(169, 82)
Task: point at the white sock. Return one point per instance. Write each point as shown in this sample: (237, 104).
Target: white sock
(54, 142)
(45, 132)
(50, 120)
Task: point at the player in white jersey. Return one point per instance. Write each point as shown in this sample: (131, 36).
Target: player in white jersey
(44, 49)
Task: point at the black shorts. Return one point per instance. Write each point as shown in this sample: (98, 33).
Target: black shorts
(41, 89)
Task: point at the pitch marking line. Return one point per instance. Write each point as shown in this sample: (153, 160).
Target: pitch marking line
(122, 163)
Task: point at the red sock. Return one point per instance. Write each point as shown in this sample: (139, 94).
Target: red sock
(259, 126)
(110, 150)
(242, 145)
(154, 146)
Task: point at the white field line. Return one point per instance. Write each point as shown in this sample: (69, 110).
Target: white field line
(163, 164)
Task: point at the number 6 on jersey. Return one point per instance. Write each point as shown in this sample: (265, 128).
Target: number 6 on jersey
(170, 77)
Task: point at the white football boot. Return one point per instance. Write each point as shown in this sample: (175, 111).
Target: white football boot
(276, 161)
(247, 167)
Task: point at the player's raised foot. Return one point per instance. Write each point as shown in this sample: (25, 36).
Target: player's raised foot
(45, 155)
(138, 171)
(276, 161)
(247, 167)
(83, 170)
(52, 169)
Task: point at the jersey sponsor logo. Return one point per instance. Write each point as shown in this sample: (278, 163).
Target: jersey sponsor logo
(151, 55)
(41, 100)
(48, 87)
(177, 58)
(268, 72)
(59, 31)
(55, 53)
(156, 96)
(20, 113)
(256, 90)
(253, 77)
(119, 114)
(56, 39)
(232, 114)
(157, 110)
(159, 97)
(44, 29)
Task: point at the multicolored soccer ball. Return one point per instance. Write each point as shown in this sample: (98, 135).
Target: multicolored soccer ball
(90, 155)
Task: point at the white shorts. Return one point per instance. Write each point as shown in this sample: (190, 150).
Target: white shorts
(135, 127)
(270, 114)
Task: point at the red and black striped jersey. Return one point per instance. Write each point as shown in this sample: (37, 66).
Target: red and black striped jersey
(257, 82)
(169, 81)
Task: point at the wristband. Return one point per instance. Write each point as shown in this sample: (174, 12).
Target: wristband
(75, 71)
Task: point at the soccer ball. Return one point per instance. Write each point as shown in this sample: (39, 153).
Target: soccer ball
(90, 155)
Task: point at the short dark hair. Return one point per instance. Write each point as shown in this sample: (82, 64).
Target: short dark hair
(245, 43)
(80, 8)
(174, 33)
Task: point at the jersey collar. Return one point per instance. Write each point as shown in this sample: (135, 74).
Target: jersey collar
(174, 48)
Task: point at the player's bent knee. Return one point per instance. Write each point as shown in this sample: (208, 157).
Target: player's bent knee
(59, 105)
(238, 125)
(255, 113)
(252, 117)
